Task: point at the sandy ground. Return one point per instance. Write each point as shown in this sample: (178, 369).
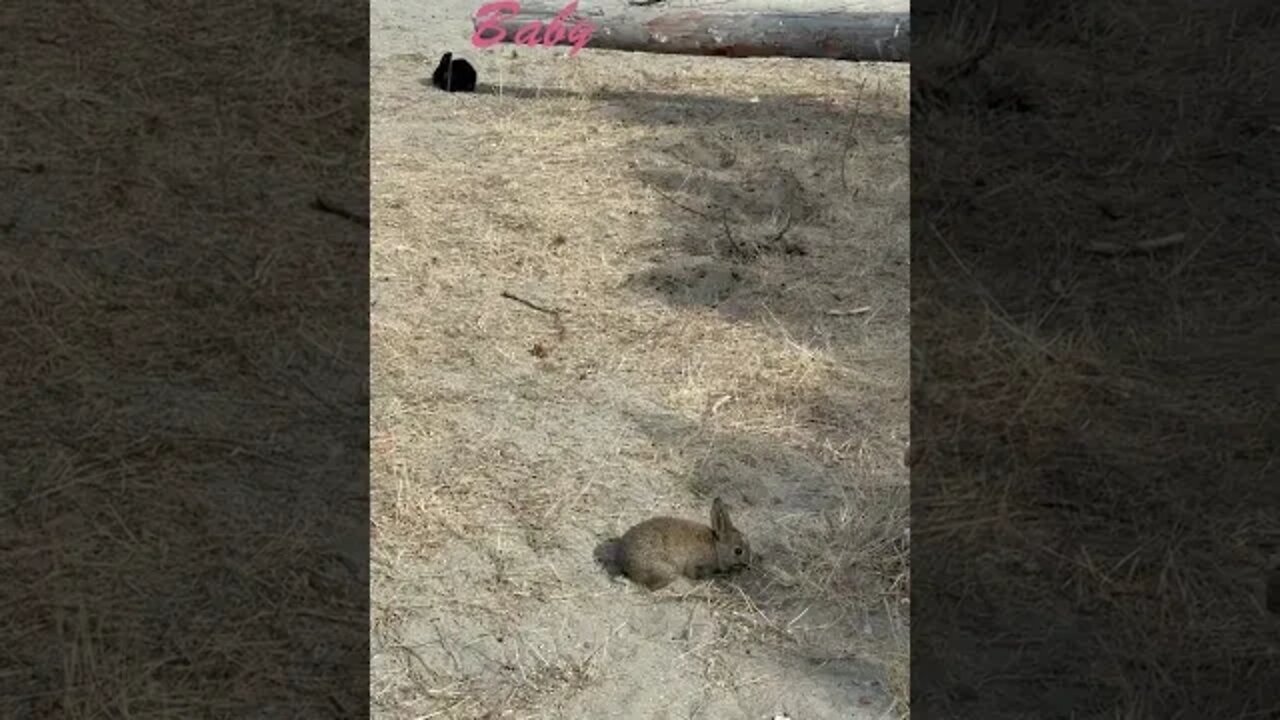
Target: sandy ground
(726, 246)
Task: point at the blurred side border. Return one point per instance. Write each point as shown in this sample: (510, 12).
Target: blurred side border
(1095, 294)
(184, 360)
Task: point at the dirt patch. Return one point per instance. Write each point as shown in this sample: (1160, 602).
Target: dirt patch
(719, 253)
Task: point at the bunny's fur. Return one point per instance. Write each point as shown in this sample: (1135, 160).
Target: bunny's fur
(657, 551)
(454, 75)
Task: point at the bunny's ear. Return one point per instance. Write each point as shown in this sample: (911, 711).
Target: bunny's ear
(443, 67)
(720, 524)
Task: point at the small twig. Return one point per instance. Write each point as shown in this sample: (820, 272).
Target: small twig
(971, 64)
(539, 350)
(1001, 314)
(1160, 243)
(530, 305)
(728, 232)
(327, 207)
(778, 238)
(849, 139)
(856, 311)
(682, 206)
(715, 407)
(724, 221)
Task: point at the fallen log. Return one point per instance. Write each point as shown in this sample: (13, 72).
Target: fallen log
(845, 35)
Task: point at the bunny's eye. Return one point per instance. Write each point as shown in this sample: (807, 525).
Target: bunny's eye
(737, 551)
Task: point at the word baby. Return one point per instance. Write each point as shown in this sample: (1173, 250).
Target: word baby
(531, 34)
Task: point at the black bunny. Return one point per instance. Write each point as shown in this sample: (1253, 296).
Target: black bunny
(454, 75)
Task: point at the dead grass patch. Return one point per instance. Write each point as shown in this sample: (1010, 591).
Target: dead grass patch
(508, 444)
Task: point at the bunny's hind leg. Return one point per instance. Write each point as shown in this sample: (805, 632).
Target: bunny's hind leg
(655, 576)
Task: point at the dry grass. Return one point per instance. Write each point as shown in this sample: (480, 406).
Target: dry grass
(1093, 505)
(705, 251)
(163, 500)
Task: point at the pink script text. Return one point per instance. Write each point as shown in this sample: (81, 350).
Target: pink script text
(489, 30)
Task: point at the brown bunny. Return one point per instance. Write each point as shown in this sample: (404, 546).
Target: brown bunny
(657, 551)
